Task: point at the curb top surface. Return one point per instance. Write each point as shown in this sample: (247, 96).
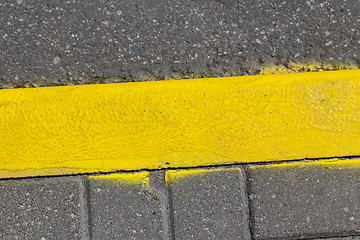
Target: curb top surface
(153, 125)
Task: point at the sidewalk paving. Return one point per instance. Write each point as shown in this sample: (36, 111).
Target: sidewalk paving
(275, 201)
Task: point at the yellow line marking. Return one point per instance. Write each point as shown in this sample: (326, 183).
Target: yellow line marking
(184, 123)
(140, 178)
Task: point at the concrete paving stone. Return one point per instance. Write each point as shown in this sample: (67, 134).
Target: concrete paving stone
(341, 238)
(40, 209)
(304, 201)
(56, 42)
(208, 204)
(121, 207)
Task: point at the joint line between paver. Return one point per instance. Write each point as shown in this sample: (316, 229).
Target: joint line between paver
(171, 211)
(248, 193)
(165, 210)
(84, 210)
(245, 197)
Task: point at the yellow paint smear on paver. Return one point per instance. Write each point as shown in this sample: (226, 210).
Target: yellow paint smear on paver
(140, 178)
(329, 164)
(175, 175)
(184, 123)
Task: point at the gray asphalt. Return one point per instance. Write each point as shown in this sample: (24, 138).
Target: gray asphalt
(47, 43)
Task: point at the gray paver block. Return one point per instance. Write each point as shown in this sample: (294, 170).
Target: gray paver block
(40, 209)
(341, 238)
(124, 207)
(208, 204)
(302, 200)
(55, 42)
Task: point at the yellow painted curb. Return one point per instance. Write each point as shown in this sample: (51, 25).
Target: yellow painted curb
(185, 123)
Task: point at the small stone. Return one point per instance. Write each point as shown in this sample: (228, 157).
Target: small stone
(328, 43)
(56, 60)
(19, 1)
(357, 59)
(177, 67)
(217, 60)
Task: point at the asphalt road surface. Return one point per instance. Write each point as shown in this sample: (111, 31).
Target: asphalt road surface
(49, 43)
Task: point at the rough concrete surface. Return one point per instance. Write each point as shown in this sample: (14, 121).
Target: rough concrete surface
(304, 201)
(44, 43)
(40, 209)
(345, 238)
(295, 202)
(209, 205)
(124, 211)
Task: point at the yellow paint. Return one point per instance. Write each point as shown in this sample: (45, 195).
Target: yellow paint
(140, 178)
(175, 175)
(332, 163)
(185, 123)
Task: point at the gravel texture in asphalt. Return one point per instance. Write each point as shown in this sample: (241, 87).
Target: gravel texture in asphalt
(47, 43)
